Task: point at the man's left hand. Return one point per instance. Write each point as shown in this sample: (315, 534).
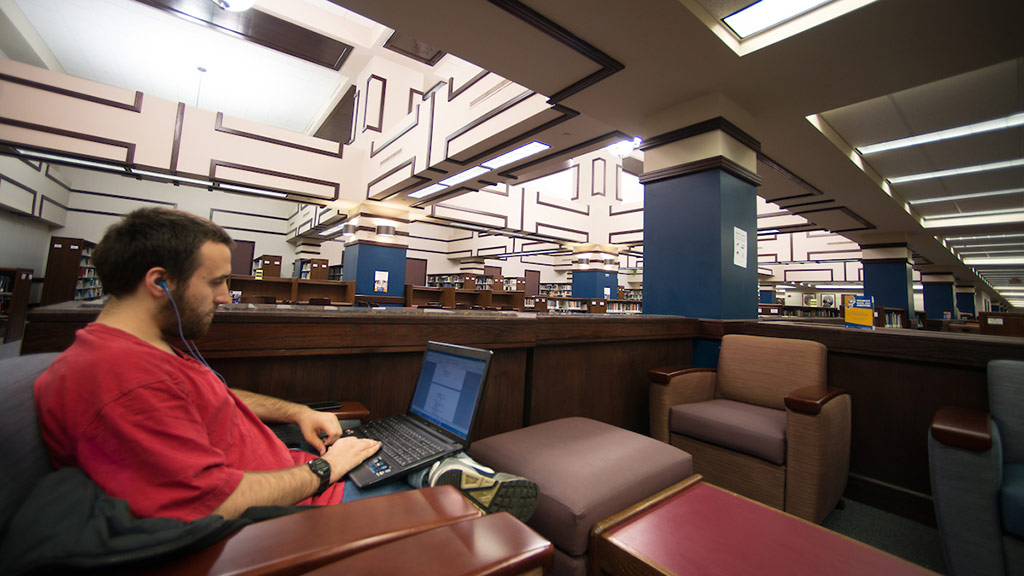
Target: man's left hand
(320, 429)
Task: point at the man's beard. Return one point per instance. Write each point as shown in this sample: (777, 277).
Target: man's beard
(194, 323)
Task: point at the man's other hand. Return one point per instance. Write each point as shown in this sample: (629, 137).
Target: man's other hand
(347, 453)
(320, 429)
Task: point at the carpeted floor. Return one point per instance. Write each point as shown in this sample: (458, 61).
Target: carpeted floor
(894, 534)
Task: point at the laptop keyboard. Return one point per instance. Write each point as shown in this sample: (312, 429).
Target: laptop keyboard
(402, 443)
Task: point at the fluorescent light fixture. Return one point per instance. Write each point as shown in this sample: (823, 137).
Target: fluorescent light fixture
(70, 160)
(235, 5)
(966, 196)
(984, 237)
(975, 214)
(772, 231)
(972, 252)
(994, 261)
(840, 287)
(958, 171)
(767, 13)
(785, 287)
(251, 190)
(464, 175)
(171, 177)
(624, 148)
(919, 287)
(334, 230)
(1004, 123)
(427, 191)
(516, 155)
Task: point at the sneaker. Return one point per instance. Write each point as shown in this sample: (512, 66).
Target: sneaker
(488, 491)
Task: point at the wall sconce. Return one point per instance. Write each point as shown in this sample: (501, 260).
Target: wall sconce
(385, 230)
(348, 230)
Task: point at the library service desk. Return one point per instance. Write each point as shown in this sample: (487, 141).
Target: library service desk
(697, 528)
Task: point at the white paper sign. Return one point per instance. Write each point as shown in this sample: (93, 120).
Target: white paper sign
(380, 281)
(739, 245)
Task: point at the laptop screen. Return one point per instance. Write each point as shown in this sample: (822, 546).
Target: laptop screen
(449, 389)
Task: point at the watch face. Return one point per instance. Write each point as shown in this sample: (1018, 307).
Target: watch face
(320, 467)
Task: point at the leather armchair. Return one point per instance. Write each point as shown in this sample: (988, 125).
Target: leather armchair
(764, 424)
(976, 462)
(296, 543)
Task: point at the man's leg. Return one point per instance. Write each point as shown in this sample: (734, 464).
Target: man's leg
(488, 490)
(353, 492)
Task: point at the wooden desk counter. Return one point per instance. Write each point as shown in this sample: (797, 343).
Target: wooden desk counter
(545, 366)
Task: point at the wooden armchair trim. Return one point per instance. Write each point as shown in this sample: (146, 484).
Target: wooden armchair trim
(350, 411)
(962, 428)
(490, 545)
(810, 399)
(303, 541)
(665, 374)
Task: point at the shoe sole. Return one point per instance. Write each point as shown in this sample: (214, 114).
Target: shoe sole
(518, 497)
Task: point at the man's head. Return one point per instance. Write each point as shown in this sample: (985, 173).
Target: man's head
(153, 238)
(156, 251)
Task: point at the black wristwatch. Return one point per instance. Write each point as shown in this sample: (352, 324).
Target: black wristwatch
(322, 469)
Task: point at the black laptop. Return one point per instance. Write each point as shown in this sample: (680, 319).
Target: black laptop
(439, 420)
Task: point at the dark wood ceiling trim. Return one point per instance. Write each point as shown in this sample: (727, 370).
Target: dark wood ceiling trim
(714, 163)
(261, 28)
(515, 101)
(866, 225)
(135, 106)
(179, 122)
(337, 127)
(219, 127)
(375, 151)
(566, 115)
(366, 107)
(535, 19)
(719, 124)
(318, 200)
(454, 93)
(128, 146)
(811, 190)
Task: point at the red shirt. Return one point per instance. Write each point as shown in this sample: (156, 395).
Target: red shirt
(156, 429)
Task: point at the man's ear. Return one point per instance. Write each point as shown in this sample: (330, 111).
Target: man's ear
(155, 283)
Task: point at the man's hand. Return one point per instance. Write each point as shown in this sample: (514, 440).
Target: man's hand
(320, 429)
(347, 453)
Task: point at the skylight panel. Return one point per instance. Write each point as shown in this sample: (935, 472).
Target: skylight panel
(766, 14)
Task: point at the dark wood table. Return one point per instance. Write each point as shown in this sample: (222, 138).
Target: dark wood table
(697, 528)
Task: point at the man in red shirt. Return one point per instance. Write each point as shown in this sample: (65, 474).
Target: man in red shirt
(157, 427)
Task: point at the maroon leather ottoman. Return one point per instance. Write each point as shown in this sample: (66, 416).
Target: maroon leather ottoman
(585, 471)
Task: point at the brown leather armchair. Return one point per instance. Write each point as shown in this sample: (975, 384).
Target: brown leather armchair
(300, 542)
(764, 424)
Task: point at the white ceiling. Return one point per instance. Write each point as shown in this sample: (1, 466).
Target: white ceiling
(133, 46)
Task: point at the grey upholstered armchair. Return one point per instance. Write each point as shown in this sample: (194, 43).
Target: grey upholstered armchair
(977, 473)
(764, 425)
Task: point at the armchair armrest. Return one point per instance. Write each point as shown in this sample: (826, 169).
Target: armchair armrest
(303, 541)
(493, 544)
(810, 399)
(665, 374)
(674, 385)
(962, 428)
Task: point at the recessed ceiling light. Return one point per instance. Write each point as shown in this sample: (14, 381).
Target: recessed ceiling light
(171, 177)
(958, 171)
(464, 175)
(516, 155)
(763, 15)
(966, 196)
(70, 160)
(994, 261)
(237, 188)
(1004, 123)
(427, 191)
(235, 5)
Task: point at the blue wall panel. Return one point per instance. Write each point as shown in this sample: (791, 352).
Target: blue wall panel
(362, 261)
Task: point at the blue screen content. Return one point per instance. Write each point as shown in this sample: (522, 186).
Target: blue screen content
(447, 391)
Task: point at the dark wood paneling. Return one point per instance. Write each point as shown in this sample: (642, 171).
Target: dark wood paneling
(603, 381)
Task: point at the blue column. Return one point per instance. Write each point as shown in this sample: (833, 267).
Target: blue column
(939, 296)
(690, 225)
(767, 297)
(889, 276)
(363, 262)
(592, 284)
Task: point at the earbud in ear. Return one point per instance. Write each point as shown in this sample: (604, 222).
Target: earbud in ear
(163, 284)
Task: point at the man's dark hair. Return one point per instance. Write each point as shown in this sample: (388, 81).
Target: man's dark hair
(149, 238)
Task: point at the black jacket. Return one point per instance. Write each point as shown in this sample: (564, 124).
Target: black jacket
(69, 523)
